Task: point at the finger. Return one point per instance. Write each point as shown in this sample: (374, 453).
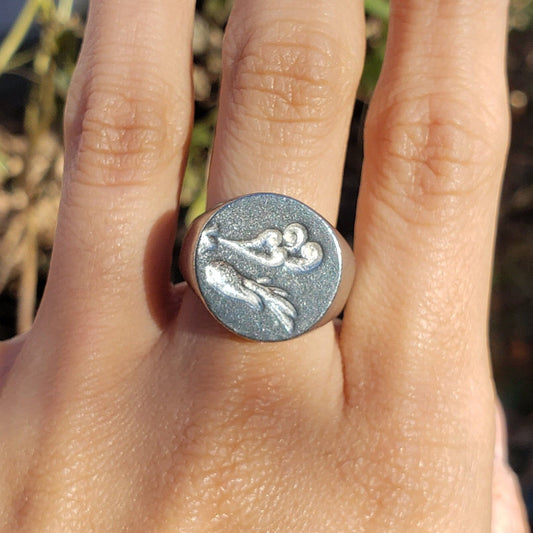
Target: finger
(126, 128)
(290, 71)
(289, 79)
(508, 512)
(414, 330)
(436, 140)
(8, 353)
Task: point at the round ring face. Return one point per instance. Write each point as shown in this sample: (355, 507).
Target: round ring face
(268, 267)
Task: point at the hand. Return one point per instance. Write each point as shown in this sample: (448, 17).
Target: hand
(128, 408)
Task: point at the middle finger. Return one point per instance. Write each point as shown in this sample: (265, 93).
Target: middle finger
(290, 72)
(289, 80)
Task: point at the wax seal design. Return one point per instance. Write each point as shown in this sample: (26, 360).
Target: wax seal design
(267, 266)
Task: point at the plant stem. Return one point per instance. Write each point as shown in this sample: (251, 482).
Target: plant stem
(64, 10)
(18, 31)
(28, 280)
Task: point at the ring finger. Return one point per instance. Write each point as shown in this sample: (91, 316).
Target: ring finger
(290, 72)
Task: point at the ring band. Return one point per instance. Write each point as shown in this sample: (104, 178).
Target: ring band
(267, 267)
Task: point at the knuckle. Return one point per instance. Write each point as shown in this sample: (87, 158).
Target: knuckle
(435, 149)
(127, 132)
(289, 76)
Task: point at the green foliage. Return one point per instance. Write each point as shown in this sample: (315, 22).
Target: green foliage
(377, 8)
(217, 10)
(377, 14)
(521, 15)
(193, 193)
(52, 61)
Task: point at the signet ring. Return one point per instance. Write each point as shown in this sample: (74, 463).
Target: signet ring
(267, 266)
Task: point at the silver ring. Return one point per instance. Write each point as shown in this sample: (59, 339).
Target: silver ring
(267, 267)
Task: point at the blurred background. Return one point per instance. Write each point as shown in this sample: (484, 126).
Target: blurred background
(39, 43)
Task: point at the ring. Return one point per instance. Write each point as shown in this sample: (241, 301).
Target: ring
(267, 267)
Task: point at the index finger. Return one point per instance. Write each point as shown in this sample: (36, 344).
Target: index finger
(127, 125)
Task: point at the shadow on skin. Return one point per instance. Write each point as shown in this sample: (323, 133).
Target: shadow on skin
(163, 298)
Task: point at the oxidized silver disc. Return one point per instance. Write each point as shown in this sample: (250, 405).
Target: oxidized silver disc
(267, 266)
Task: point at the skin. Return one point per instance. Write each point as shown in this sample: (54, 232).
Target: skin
(126, 407)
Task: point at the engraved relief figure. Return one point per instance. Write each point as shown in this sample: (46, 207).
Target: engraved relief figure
(289, 250)
(226, 280)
